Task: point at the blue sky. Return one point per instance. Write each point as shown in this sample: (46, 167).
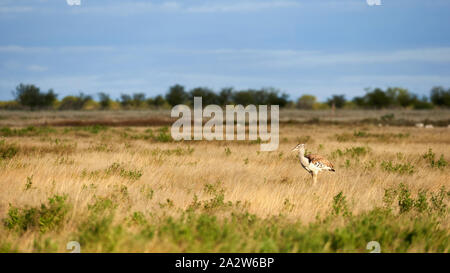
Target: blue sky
(299, 46)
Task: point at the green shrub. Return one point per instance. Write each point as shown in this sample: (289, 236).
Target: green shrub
(406, 168)
(27, 131)
(131, 174)
(98, 231)
(7, 151)
(430, 157)
(437, 200)
(29, 183)
(138, 218)
(217, 200)
(44, 218)
(117, 169)
(405, 202)
(94, 129)
(389, 197)
(162, 135)
(102, 205)
(352, 152)
(367, 135)
(340, 205)
(423, 203)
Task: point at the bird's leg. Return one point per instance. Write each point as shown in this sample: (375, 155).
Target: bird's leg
(314, 176)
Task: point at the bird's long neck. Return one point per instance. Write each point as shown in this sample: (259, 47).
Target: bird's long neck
(301, 153)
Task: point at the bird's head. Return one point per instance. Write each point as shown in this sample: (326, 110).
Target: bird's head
(299, 147)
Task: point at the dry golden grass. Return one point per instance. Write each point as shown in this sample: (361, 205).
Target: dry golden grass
(76, 163)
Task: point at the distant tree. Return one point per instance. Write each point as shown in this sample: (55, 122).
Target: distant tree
(440, 97)
(244, 97)
(272, 97)
(104, 100)
(31, 96)
(176, 95)
(359, 101)
(208, 96)
(405, 98)
(337, 100)
(306, 102)
(159, 100)
(400, 97)
(392, 97)
(225, 96)
(377, 99)
(422, 103)
(138, 99)
(126, 100)
(73, 102)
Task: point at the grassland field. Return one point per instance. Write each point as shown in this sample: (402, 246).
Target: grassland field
(117, 182)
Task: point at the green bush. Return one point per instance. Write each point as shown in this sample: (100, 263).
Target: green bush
(31, 96)
(27, 131)
(438, 200)
(217, 200)
(340, 205)
(94, 129)
(7, 151)
(116, 168)
(162, 135)
(98, 231)
(352, 152)
(406, 168)
(405, 202)
(423, 203)
(44, 218)
(430, 157)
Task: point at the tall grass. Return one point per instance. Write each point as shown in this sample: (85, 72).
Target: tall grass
(141, 191)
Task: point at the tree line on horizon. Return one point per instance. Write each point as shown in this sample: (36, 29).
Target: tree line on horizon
(30, 97)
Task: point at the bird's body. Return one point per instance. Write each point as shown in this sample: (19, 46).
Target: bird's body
(313, 163)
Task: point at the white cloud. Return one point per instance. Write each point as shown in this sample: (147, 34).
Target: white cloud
(133, 7)
(60, 49)
(241, 6)
(36, 68)
(282, 58)
(15, 9)
(127, 8)
(21, 49)
(299, 58)
(426, 81)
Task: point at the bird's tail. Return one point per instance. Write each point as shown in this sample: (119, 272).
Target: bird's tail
(332, 170)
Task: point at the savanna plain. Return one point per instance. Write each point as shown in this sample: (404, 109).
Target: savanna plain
(114, 187)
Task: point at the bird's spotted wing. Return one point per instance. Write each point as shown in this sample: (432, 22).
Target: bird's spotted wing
(319, 161)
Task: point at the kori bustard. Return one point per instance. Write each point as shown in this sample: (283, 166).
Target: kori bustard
(313, 163)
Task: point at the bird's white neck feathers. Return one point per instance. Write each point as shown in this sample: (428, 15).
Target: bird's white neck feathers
(301, 152)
